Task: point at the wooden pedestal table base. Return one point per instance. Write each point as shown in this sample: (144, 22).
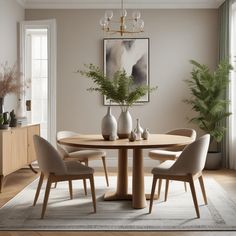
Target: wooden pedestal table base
(121, 192)
(138, 191)
(138, 197)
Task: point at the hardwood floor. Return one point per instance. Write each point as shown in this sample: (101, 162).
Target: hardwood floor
(15, 182)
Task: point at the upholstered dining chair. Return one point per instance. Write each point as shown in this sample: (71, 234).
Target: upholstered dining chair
(187, 168)
(171, 153)
(81, 154)
(57, 170)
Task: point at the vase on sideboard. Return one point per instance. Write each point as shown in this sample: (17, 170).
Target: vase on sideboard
(1, 105)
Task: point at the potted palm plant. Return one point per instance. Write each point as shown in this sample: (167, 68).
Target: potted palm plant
(119, 89)
(208, 92)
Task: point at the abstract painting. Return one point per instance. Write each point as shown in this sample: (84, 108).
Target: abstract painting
(130, 54)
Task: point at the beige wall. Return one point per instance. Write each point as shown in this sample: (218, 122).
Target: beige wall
(176, 36)
(10, 14)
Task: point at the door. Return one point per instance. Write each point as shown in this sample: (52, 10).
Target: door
(38, 64)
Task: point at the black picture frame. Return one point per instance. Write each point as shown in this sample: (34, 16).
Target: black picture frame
(128, 54)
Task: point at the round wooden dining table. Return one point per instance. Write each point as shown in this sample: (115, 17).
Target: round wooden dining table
(137, 196)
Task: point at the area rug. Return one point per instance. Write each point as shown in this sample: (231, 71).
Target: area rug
(177, 213)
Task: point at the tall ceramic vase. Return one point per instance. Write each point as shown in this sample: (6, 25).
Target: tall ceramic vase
(124, 124)
(1, 105)
(109, 125)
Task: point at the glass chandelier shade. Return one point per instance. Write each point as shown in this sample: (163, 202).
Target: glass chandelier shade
(126, 25)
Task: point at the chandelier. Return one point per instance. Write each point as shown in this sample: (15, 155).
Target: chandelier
(126, 25)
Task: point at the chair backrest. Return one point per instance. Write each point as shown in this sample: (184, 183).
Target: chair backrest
(192, 159)
(191, 133)
(64, 149)
(48, 158)
(184, 132)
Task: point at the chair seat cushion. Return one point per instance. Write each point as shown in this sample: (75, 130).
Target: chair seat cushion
(86, 154)
(163, 168)
(76, 168)
(163, 155)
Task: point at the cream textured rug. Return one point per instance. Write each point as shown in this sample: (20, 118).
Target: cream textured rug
(177, 213)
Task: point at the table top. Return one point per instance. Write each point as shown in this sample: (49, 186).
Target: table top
(154, 141)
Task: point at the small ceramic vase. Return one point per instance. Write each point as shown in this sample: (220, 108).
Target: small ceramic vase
(145, 134)
(138, 131)
(132, 136)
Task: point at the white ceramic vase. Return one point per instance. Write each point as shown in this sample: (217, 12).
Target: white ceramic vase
(124, 125)
(20, 109)
(138, 131)
(109, 125)
(145, 134)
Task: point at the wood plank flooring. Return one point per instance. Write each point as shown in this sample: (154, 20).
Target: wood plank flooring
(15, 182)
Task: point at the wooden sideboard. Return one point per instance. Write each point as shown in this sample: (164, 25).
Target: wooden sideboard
(17, 149)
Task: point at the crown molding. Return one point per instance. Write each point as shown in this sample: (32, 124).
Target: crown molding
(115, 4)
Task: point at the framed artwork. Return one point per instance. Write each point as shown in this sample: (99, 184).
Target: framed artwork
(130, 54)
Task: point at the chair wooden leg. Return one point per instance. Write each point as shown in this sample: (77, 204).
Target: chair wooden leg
(1, 182)
(84, 180)
(167, 189)
(47, 192)
(159, 188)
(91, 179)
(185, 186)
(38, 188)
(203, 189)
(191, 182)
(32, 168)
(85, 186)
(105, 170)
(70, 189)
(154, 182)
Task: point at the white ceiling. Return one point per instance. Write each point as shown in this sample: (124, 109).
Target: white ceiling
(113, 4)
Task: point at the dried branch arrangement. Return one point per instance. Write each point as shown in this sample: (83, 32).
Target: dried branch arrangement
(10, 79)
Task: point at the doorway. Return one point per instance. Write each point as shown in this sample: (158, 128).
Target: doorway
(38, 64)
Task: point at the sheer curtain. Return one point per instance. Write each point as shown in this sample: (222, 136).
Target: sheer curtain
(224, 45)
(232, 89)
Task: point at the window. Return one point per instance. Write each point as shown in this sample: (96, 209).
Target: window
(37, 73)
(232, 159)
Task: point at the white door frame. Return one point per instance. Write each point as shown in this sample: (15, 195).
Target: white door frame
(50, 25)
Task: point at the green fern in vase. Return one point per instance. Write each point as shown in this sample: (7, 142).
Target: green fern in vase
(119, 89)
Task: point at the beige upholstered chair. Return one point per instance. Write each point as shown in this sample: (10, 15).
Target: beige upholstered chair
(171, 153)
(79, 154)
(187, 168)
(57, 170)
